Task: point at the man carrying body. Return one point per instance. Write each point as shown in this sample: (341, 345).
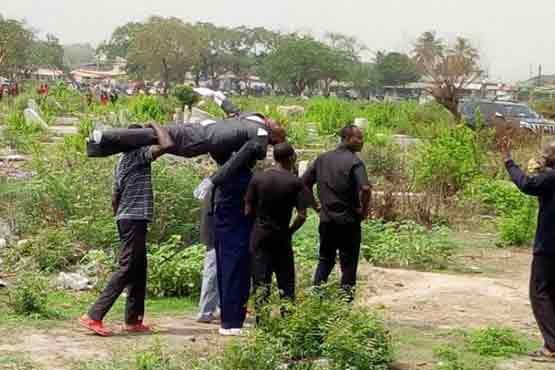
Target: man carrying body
(344, 192)
(132, 203)
(271, 198)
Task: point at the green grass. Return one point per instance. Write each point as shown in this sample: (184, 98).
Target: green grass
(68, 306)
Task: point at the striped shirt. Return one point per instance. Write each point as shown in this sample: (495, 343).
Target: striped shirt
(132, 181)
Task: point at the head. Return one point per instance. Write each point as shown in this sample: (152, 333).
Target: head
(352, 138)
(548, 153)
(277, 133)
(285, 155)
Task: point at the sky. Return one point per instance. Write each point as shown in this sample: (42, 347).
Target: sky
(513, 36)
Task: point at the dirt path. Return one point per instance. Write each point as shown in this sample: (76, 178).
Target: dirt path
(418, 299)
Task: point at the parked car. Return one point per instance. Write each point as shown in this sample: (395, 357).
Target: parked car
(519, 114)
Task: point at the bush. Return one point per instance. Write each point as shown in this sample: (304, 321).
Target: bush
(448, 162)
(496, 342)
(29, 294)
(515, 211)
(358, 341)
(174, 271)
(20, 134)
(186, 95)
(259, 351)
(144, 108)
(455, 359)
(331, 114)
(405, 244)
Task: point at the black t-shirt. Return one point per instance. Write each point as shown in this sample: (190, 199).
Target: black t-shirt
(339, 175)
(273, 194)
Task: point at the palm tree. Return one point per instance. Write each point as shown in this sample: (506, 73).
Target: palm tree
(428, 48)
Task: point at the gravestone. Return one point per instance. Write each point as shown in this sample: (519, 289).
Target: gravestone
(33, 118)
(32, 104)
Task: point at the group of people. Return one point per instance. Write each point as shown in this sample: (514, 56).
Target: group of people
(9, 89)
(246, 219)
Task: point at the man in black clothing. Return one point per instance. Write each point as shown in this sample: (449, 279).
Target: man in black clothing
(271, 197)
(542, 279)
(132, 203)
(344, 193)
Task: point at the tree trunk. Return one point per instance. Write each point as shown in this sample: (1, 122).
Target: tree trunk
(165, 77)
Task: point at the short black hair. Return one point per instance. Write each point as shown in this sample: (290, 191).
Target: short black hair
(134, 125)
(347, 131)
(283, 151)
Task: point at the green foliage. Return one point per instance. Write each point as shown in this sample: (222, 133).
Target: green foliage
(186, 95)
(515, 211)
(259, 351)
(144, 108)
(174, 270)
(20, 134)
(497, 342)
(331, 114)
(29, 294)
(405, 244)
(153, 359)
(455, 359)
(358, 341)
(448, 162)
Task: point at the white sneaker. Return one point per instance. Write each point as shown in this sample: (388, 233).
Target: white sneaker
(226, 332)
(237, 332)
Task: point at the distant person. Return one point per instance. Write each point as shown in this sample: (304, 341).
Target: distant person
(113, 96)
(540, 184)
(103, 98)
(132, 203)
(271, 197)
(344, 193)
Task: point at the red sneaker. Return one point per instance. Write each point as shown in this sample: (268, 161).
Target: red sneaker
(95, 326)
(138, 328)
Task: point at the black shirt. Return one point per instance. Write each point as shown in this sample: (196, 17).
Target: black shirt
(339, 175)
(543, 187)
(273, 194)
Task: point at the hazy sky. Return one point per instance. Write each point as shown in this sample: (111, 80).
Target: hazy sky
(512, 35)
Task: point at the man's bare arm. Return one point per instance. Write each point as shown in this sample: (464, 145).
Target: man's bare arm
(365, 196)
(165, 142)
(298, 222)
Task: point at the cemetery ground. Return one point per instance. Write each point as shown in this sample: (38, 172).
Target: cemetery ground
(483, 287)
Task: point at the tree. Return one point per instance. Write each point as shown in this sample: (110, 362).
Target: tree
(300, 62)
(45, 53)
(449, 69)
(395, 69)
(121, 39)
(164, 48)
(15, 41)
(78, 54)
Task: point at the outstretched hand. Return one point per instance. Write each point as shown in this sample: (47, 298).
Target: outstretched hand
(504, 146)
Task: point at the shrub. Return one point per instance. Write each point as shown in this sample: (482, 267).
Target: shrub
(186, 95)
(358, 341)
(20, 134)
(331, 114)
(145, 108)
(174, 271)
(515, 211)
(448, 162)
(405, 244)
(29, 294)
(455, 359)
(259, 351)
(496, 342)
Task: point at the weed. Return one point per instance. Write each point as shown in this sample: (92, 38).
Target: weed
(496, 342)
(29, 295)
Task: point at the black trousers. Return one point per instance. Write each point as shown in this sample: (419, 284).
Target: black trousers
(132, 273)
(343, 237)
(272, 253)
(542, 297)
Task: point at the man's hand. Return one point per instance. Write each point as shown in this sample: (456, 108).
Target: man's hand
(504, 146)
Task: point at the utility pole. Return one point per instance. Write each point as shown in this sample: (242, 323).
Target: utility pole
(539, 75)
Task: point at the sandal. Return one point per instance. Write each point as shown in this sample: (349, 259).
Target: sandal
(543, 355)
